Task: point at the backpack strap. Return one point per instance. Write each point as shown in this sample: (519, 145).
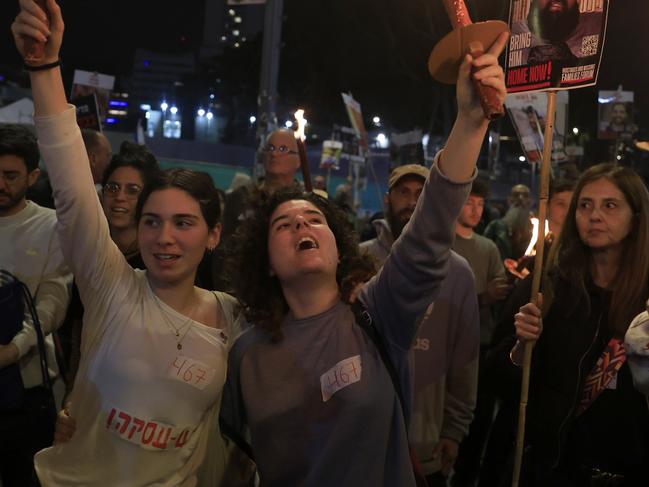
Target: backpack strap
(364, 320)
(236, 438)
(8, 277)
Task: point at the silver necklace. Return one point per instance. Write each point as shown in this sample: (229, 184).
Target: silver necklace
(178, 333)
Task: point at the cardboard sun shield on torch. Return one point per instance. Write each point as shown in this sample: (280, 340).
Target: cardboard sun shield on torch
(466, 38)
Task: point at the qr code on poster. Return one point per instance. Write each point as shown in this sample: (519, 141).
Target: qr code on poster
(589, 45)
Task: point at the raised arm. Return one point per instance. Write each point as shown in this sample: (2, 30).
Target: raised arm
(417, 264)
(83, 230)
(47, 84)
(463, 146)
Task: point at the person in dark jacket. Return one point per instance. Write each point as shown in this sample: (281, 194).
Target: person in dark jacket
(587, 424)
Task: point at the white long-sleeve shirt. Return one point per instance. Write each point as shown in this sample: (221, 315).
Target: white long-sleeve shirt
(29, 249)
(143, 408)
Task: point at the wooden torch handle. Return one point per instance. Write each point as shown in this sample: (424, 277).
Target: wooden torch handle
(304, 165)
(491, 105)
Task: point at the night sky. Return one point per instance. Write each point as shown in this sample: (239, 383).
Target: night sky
(376, 48)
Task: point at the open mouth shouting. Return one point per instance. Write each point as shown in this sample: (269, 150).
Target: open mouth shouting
(307, 243)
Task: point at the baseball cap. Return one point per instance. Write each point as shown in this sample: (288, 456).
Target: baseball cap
(407, 170)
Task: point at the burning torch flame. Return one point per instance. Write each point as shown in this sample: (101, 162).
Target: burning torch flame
(301, 123)
(531, 248)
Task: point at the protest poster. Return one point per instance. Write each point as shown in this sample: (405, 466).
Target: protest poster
(554, 44)
(331, 152)
(87, 112)
(356, 119)
(528, 112)
(615, 115)
(86, 83)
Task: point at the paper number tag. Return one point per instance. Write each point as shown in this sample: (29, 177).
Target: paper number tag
(191, 372)
(344, 373)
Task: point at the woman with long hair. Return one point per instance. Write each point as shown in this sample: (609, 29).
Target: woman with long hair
(154, 346)
(586, 421)
(306, 382)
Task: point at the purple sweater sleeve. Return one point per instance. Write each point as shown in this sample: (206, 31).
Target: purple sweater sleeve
(410, 278)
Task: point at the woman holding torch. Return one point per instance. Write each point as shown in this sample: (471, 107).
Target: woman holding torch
(587, 423)
(305, 381)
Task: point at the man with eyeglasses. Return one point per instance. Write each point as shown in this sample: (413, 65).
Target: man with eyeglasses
(281, 163)
(29, 249)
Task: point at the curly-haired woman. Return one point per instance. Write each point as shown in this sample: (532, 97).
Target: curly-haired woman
(305, 381)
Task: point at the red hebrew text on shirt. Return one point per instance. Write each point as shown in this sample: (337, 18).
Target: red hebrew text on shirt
(148, 434)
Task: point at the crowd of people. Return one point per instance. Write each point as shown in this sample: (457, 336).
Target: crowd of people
(254, 340)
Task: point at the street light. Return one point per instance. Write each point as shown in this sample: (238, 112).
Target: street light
(288, 124)
(377, 120)
(575, 130)
(164, 106)
(252, 119)
(209, 115)
(201, 112)
(382, 141)
(173, 110)
(521, 158)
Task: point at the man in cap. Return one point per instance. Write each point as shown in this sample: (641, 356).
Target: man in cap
(447, 344)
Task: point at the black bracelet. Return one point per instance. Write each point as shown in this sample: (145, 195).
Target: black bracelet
(42, 67)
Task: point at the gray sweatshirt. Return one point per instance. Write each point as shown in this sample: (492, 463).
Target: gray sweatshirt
(319, 406)
(445, 356)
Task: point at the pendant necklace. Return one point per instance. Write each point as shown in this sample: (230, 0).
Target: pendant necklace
(179, 334)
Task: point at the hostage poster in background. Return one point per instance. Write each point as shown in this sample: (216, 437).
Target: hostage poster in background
(616, 115)
(331, 152)
(356, 119)
(87, 83)
(554, 43)
(87, 112)
(527, 112)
